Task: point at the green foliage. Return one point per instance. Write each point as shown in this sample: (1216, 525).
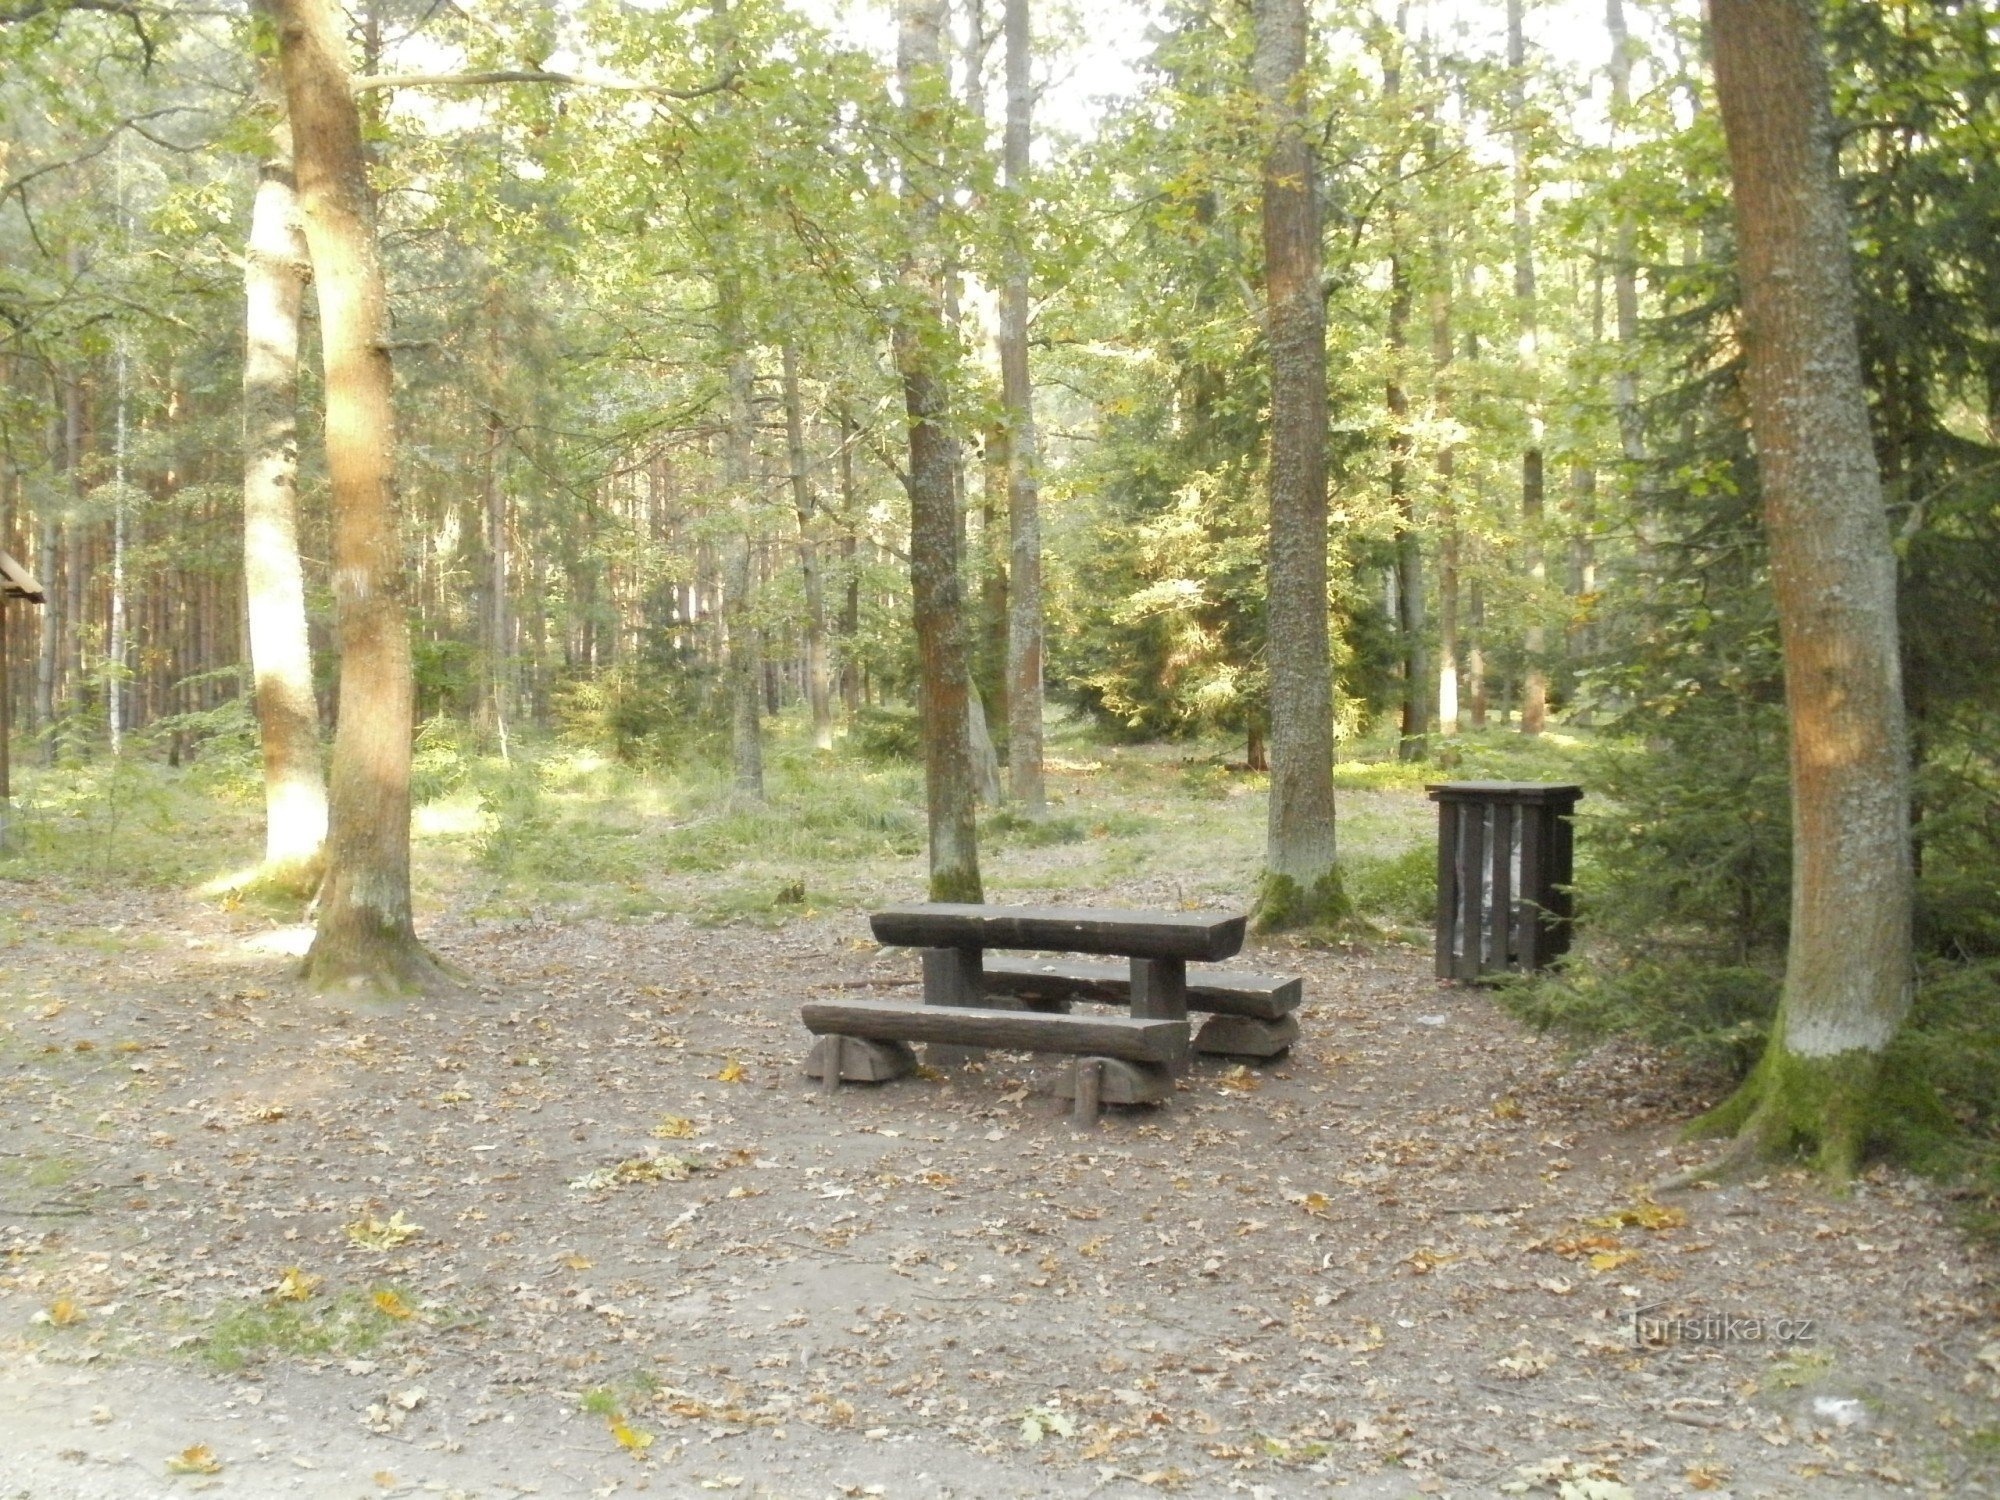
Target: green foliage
(888, 734)
(641, 715)
(1400, 888)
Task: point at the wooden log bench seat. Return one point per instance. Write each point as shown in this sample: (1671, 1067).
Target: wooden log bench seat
(1250, 1015)
(1118, 1059)
(1023, 1004)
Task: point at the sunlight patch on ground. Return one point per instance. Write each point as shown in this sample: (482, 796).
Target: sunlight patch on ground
(292, 942)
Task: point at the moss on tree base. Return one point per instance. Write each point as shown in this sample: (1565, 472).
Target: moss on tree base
(1829, 1112)
(1283, 905)
(957, 885)
(376, 963)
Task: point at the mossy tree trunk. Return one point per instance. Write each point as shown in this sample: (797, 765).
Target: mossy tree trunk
(366, 937)
(1301, 885)
(937, 530)
(1818, 1089)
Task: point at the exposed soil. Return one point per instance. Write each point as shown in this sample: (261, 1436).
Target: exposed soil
(1404, 1260)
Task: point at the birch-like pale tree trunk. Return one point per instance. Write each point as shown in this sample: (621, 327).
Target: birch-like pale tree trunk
(1848, 967)
(275, 271)
(1301, 883)
(367, 939)
(937, 531)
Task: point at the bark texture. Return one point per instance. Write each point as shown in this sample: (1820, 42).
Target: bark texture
(275, 271)
(366, 937)
(1301, 884)
(1024, 518)
(1847, 973)
(937, 530)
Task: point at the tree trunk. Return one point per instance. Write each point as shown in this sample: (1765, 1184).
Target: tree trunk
(1535, 685)
(1446, 463)
(1024, 521)
(1408, 575)
(1475, 652)
(745, 661)
(1847, 973)
(1415, 730)
(1301, 883)
(366, 937)
(275, 269)
(850, 548)
(48, 652)
(937, 533)
(819, 675)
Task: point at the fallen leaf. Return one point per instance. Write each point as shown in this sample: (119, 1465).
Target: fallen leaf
(732, 1072)
(199, 1458)
(392, 1304)
(296, 1285)
(372, 1233)
(62, 1313)
(632, 1439)
(674, 1128)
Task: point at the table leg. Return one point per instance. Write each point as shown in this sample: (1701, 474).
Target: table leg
(1159, 993)
(952, 977)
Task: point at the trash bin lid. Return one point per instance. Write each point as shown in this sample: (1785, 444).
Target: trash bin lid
(1504, 791)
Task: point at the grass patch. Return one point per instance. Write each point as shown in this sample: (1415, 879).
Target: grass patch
(342, 1327)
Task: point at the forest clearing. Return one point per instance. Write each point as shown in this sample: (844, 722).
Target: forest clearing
(1405, 1260)
(1374, 623)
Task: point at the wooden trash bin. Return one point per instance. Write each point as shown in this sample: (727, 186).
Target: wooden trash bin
(1506, 852)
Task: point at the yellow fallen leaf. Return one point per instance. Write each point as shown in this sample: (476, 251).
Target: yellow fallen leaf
(1316, 1204)
(578, 1262)
(1643, 1214)
(64, 1313)
(630, 1438)
(196, 1459)
(296, 1285)
(372, 1233)
(1611, 1260)
(732, 1072)
(673, 1128)
(1707, 1477)
(386, 1478)
(1507, 1108)
(1241, 1079)
(392, 1305)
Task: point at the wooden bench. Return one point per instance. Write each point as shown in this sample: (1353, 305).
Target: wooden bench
(1250, 1015)
(1119, 1059)
(1157, 945)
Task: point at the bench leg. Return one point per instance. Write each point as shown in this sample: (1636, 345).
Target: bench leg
(1089, 1088)
(1245, 1036)
(952, 977)
(851, 1059)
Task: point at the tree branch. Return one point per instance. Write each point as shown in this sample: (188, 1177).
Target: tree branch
(544, 77)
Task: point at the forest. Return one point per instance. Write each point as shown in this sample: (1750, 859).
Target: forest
(521, 522)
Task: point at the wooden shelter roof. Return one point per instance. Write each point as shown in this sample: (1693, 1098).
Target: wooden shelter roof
(16, 582)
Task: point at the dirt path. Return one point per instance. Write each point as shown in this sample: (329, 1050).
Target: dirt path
(1404, 1261)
